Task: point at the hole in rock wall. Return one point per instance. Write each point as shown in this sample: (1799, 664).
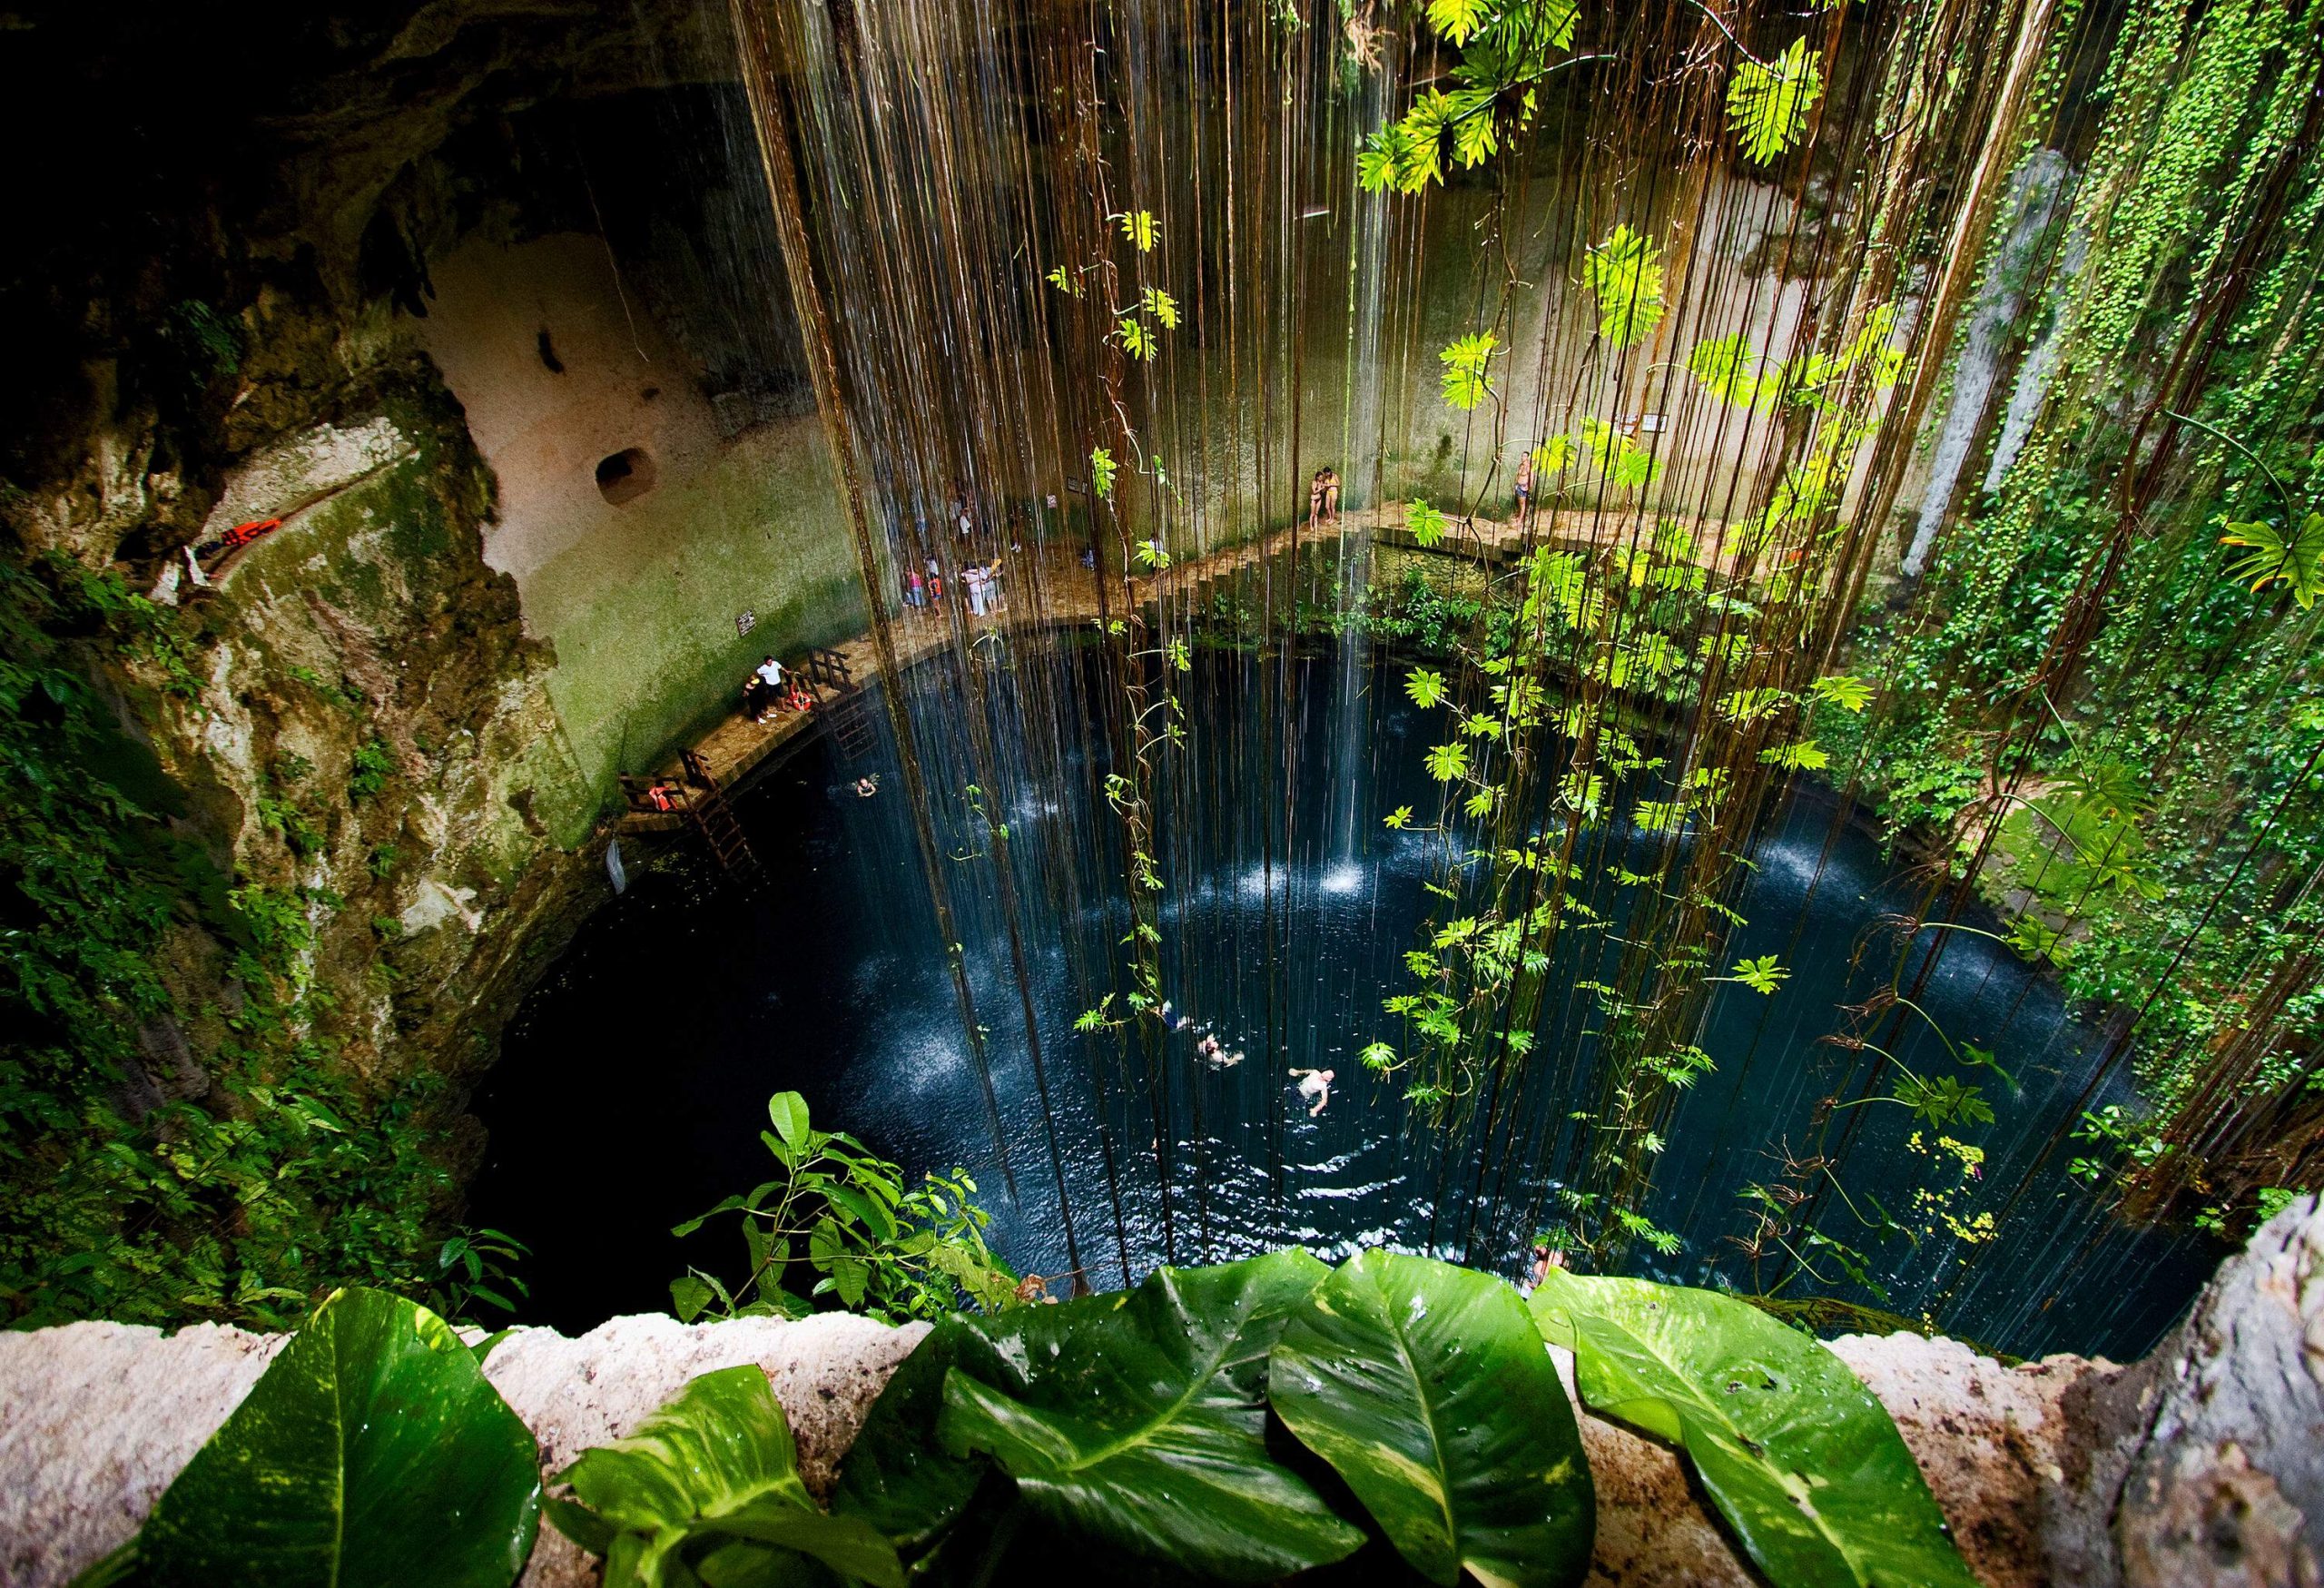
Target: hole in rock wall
(626, 476)
(549, 361)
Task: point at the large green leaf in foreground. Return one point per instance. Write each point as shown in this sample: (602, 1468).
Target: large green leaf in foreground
(1800, 1458)
(1426, 1386)
(709, 1485)
(372, 1452)
(1139, 1419)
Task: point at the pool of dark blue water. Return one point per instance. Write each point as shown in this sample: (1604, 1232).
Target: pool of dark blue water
(634, 1079)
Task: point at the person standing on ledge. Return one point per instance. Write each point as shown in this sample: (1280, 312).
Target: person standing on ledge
(769, 674)
(1524, 487)
(1317, 1084)
(1322, 497)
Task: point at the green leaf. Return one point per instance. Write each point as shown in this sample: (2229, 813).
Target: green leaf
(2296, 559)
(1426, 1387)
(1457, 19)
(1797, 1456)
(1625, 275)
(787, 1112)
(1102, 468)
(1843, 690)
(1465, 380)
(896, 1476)
(1800, 755)
(1139, 228)
(372, 1452)
(1426, 687)
(1769, 105)
(1942, 1101)
(720, 1443)
(715, 1464)
(1140, 1420)
(1426, 523)
(1729, 371)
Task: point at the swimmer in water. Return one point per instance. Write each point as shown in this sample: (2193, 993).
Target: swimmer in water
(1317, 1084)
(1208, 1047)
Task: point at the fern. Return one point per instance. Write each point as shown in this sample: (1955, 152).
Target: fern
(1160, 305)
(1625, 275)
(1768, 103)
(1139, 228)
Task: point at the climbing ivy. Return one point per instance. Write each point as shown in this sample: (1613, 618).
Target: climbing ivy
(167, 1156)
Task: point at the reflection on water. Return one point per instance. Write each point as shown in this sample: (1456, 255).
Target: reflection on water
(634, 1080)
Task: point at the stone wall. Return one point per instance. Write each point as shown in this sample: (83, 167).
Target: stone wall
(2201, 1466)
(727, 508)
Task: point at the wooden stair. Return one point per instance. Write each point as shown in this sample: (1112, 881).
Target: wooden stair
(714, 821)
(840, 699)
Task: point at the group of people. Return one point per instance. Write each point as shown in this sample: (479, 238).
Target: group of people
(979, 581)
(1313, 1084)
(764, 692)
(977, 576)
(1323, 497)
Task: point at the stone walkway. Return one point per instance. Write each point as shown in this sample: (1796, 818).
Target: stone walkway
(1050, 587)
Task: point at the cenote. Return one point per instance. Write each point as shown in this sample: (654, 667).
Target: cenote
(633, 1092)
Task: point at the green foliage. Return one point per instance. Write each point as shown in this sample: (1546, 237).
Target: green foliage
(1760, 975)
(1426, 1388)
(1161, 305)
(707, 1491)
(1141, 1423)
(1130, 1430)
(1135, 1420)
(271, 1173)
(1505, 51)
(1769, 105)
(1139, 228)
(2272, 556)
(839, 1213)
(372, 766)
(371, 1451)
(1624, 273)
(1843, 690)
(1465, 382)
(1802, 1462)
(479, 1265)
(1426, 524)
(1102, 468)
(1943, 1101)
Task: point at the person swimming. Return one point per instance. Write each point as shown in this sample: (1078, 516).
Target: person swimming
(1317, 1084)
